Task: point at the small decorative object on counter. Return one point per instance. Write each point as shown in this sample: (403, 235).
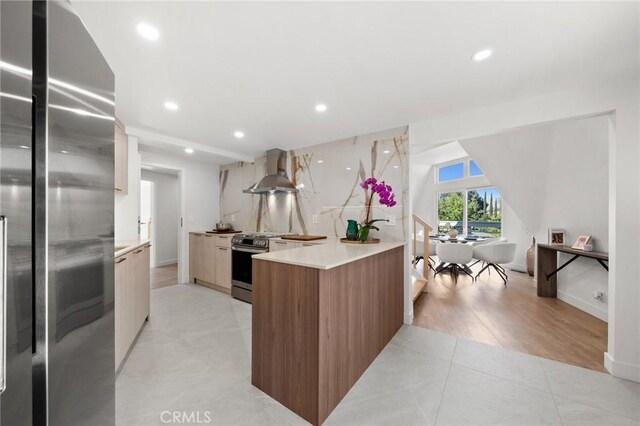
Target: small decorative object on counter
(531, 257)
(352, 230)
(453, 234)
(386, 197)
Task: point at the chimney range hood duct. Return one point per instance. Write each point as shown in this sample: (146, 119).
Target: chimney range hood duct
(276, 179)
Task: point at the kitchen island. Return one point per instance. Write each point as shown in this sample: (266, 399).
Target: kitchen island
(321, 315)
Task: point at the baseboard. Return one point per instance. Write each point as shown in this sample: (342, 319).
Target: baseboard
(166, 262)
(516, 267)
(621, 369)
(408, 318)
(583, 306)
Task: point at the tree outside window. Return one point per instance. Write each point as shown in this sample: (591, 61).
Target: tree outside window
(450, 212)
(484, 212)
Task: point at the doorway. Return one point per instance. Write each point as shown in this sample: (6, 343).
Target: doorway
(160, 222)
(507, 190)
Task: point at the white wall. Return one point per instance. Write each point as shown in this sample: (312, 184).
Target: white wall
(127, 206)
(199, 197)
(165, 216)
(554, 176)
(620, 99)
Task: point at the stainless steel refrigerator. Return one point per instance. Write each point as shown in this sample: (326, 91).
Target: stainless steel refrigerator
(56, 202)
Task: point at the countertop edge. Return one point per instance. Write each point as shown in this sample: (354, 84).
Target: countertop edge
(389, 245)
(130, 248)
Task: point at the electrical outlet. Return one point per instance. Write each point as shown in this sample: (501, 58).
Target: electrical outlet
(314, 218)
(599, 295)
(391, 219)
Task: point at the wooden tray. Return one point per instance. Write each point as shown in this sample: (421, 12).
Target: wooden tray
(371, 241)
(303, 237)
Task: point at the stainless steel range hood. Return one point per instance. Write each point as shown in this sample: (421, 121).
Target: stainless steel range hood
(276, 179)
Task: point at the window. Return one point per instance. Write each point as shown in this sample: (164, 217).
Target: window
(484, 212)
(450, 212)
(474, 170)
(477, 210)
(451, 172)
(457, 171)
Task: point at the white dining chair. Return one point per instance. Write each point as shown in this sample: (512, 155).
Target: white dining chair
(454, 258)
(495, 254)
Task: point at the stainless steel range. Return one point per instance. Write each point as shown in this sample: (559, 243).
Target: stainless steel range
(243, 247)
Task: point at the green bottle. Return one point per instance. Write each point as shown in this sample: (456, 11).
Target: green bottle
(352, 229)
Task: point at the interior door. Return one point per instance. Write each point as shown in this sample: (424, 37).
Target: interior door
(16, 207)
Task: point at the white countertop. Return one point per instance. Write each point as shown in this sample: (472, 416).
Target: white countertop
(128, 246)
(328, 255)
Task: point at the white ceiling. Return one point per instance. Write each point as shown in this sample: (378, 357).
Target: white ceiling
(440, 154)
(261, 67)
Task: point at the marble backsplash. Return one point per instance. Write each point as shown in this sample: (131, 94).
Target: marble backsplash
(327, 176)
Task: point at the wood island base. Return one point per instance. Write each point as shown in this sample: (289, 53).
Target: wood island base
(316, 331)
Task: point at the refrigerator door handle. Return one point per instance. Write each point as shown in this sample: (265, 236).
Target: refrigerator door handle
(3, 300)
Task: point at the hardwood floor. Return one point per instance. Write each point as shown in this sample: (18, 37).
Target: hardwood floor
(512, 317)
(164, 276)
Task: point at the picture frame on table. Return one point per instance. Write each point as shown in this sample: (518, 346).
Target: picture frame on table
(557, 237)
(581, 242)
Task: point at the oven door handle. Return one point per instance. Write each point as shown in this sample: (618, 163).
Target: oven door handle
(249, 250)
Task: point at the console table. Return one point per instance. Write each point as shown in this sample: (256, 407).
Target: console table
(547, 271)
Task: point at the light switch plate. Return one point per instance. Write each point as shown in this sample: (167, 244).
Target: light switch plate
(314, 218)
(391, 219)
(233, 218)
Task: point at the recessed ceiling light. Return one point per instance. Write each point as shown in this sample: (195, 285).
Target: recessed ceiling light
(147, 31)
(24, 147)
(320, 161)
(395, 167)
(348, 168)
(481, 55)
(64, 152)
(321, 107)
(188, 150)
(171, 106)
(386, 151)
(238, 134)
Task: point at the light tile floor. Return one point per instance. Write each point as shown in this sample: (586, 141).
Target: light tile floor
(194, 357)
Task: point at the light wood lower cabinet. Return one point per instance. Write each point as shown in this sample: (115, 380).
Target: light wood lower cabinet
(223, 267)
(132, 298)
(196, 256)
(210, 260)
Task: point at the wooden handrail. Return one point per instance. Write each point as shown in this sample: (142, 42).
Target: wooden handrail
(425, 244)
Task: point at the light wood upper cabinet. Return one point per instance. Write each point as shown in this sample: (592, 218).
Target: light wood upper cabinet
(121, 160)
(223, 267)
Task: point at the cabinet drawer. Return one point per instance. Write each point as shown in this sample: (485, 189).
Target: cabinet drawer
(223, 240)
